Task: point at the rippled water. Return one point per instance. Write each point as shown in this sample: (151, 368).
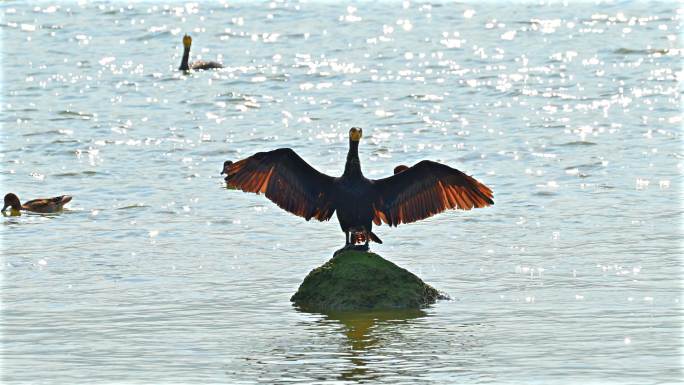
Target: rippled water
(158, 274)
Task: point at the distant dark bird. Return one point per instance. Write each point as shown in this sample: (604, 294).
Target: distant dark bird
(224, 171)
(198, 65)
(418, 192)
(226, 164)
(400, 168)
(44, 205)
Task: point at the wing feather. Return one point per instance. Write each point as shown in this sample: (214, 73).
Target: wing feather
(451, 195)
(287, 180)
(426, 189)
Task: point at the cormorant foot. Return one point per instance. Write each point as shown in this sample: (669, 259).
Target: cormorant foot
(346, 247)
(361, 248)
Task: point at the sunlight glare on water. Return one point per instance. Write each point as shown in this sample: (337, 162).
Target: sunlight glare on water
(158, 274)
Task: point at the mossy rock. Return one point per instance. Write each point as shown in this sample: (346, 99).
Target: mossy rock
(358, 280)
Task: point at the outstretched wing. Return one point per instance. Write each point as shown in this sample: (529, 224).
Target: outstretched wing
(426, 189)
(287, 180)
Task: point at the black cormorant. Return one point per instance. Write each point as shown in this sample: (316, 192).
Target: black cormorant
(198, 65)
(410, 195)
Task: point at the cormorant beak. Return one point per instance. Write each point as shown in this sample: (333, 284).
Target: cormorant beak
(187, 41)
(355, 134)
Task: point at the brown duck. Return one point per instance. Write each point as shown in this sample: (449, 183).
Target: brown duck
(42, 205)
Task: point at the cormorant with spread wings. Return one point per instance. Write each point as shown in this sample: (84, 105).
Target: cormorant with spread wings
(415, 193)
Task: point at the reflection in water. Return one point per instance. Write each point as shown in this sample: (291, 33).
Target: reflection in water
(369, 331)
(376, 347)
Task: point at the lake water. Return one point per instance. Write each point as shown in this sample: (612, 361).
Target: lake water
(158, 274)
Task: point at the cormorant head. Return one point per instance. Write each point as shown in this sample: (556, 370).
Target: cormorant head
(187, 41)
(355, 134)
(11, 200)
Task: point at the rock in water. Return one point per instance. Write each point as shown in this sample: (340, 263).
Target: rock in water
(359, 280)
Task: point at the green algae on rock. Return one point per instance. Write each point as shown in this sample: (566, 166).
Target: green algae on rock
(359, 280)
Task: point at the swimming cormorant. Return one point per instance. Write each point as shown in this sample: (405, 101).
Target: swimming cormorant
(198, 65)
(43, 205)
(416, 193)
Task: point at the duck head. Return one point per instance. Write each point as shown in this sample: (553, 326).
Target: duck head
(226, 165)
(11, 200)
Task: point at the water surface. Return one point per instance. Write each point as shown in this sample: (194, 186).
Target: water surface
(158, 274)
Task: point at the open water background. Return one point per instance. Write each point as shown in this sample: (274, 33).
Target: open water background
(158, 274)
